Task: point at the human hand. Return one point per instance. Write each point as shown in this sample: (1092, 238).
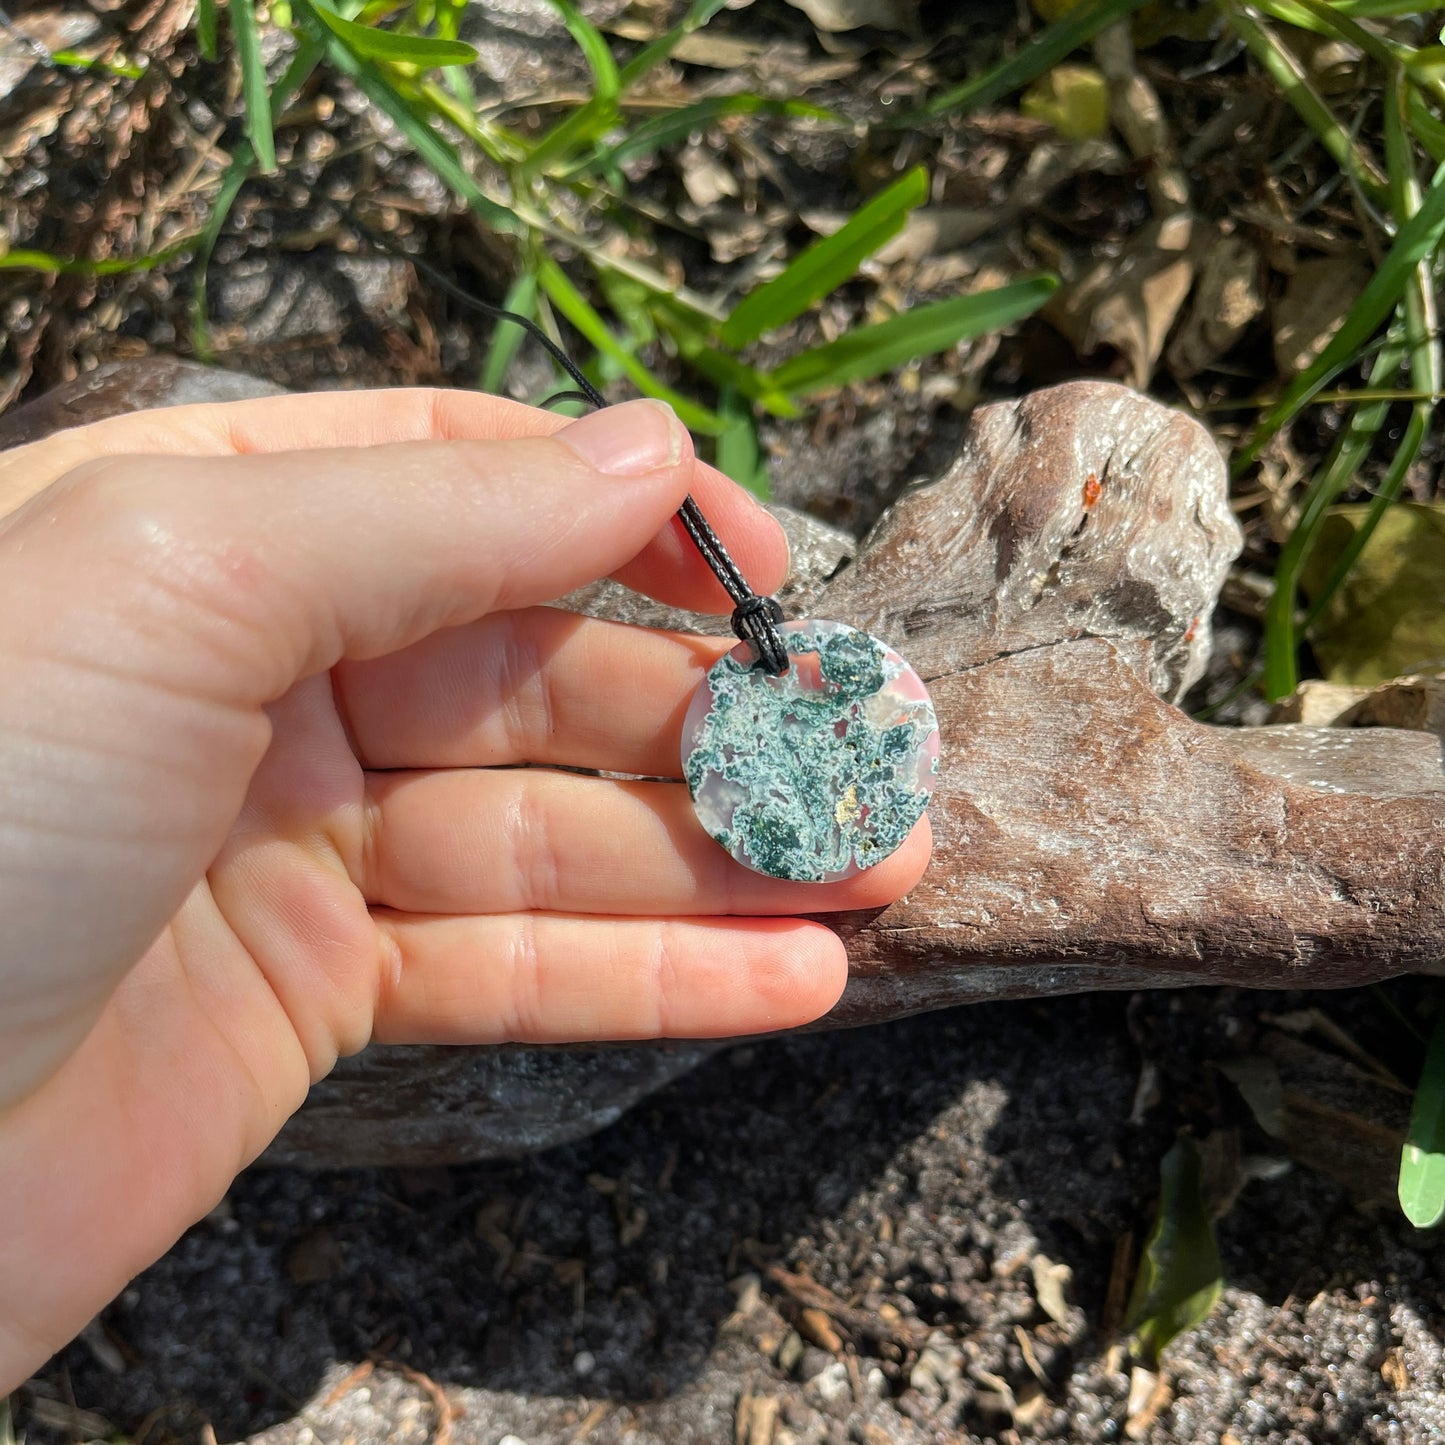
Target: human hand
(264, 698)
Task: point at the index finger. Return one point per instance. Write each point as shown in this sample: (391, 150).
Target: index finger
(669, 568)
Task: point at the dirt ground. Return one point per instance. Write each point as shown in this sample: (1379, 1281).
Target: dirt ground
(922, 1232)
(922, 1181)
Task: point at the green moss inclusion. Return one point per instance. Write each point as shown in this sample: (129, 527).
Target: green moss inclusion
(815, 786)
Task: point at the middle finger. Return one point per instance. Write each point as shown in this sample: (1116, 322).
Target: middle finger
(520, 839)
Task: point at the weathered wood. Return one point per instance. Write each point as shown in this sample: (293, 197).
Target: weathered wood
(1055, 588)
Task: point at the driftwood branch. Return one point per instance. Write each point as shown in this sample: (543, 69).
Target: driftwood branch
(1055, 588)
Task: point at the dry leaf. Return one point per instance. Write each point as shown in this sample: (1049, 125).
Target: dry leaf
(1315, 302)
(1129, 302)
(1227, 297)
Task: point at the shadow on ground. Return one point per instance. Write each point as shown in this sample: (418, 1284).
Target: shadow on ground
(923, 1164)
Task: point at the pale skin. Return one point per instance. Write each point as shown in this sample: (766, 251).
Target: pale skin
(269, 669)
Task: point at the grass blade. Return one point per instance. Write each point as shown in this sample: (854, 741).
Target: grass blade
(579, 311)
(739, 453)
(922, 331)
(1428, 129)
(585, 124)
(507, 338)
(1422, 1161)
(676, 125)
(656, 51)
(1284, 69)
(254, 89)
(206, 29)
(1422, 338)
(1042, 53)
(695, 346)
(408, 117)
(1417, 239)
(827, 263)
(389, 47)
(243, 158)
(1281, 638)
(607, 85)
(1180, 1272)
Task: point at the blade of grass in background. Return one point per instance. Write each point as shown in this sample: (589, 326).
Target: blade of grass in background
(676, 125)
(1180, 1272)
(309, 52)
(1285, 70)
(872, 350)
(1422, 1161)
(739, 453)
(1281, 641)
(206, 29)
(52, 265)
(1042, 53)
(579, 311)
(521, 298)
(408, 116)
(695, 346)
(827, 263)
(599, 113)
(656, 51)
(1415, 240)
(391, 46)
(254, 90)
(1422, 340)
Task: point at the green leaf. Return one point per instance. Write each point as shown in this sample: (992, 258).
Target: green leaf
(1428, 128)
(606, 83)
(585, 124)
(77, 61)
(1388, 616)
(206, 29)
(730, 374)
(827, 263)
(1042, 53)
(1422, 1161)
(656, 51)
(409, 116)
(1416, 239)
(243, 158)
(1179, 1275)
(676, 125)
(390, 47)
(922, 331)
(253, 83)
(739, 453)
(580, 312)
(507, 337)
(1352, 446)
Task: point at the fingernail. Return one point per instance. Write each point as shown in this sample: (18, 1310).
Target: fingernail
(628, 440)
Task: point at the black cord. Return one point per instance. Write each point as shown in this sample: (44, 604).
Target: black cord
(755, 618)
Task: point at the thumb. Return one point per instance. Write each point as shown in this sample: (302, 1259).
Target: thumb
(283, 564)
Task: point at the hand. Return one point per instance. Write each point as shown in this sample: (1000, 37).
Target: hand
(264, 699)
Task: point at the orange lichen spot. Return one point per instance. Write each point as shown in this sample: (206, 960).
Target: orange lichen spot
(1191, 629)
(1092, 487)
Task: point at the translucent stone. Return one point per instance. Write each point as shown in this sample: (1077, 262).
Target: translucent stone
(818, 774)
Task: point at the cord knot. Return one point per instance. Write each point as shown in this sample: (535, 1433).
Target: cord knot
(755, 620)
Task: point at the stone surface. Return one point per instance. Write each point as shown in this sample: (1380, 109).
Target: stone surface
(1054, 589)
(817, 774)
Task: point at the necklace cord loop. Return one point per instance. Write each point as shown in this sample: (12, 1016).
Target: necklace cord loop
(755, 618)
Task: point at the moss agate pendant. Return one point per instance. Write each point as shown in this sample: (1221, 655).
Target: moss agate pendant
(820, 773)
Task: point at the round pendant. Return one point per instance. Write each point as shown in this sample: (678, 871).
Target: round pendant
(818, 774)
